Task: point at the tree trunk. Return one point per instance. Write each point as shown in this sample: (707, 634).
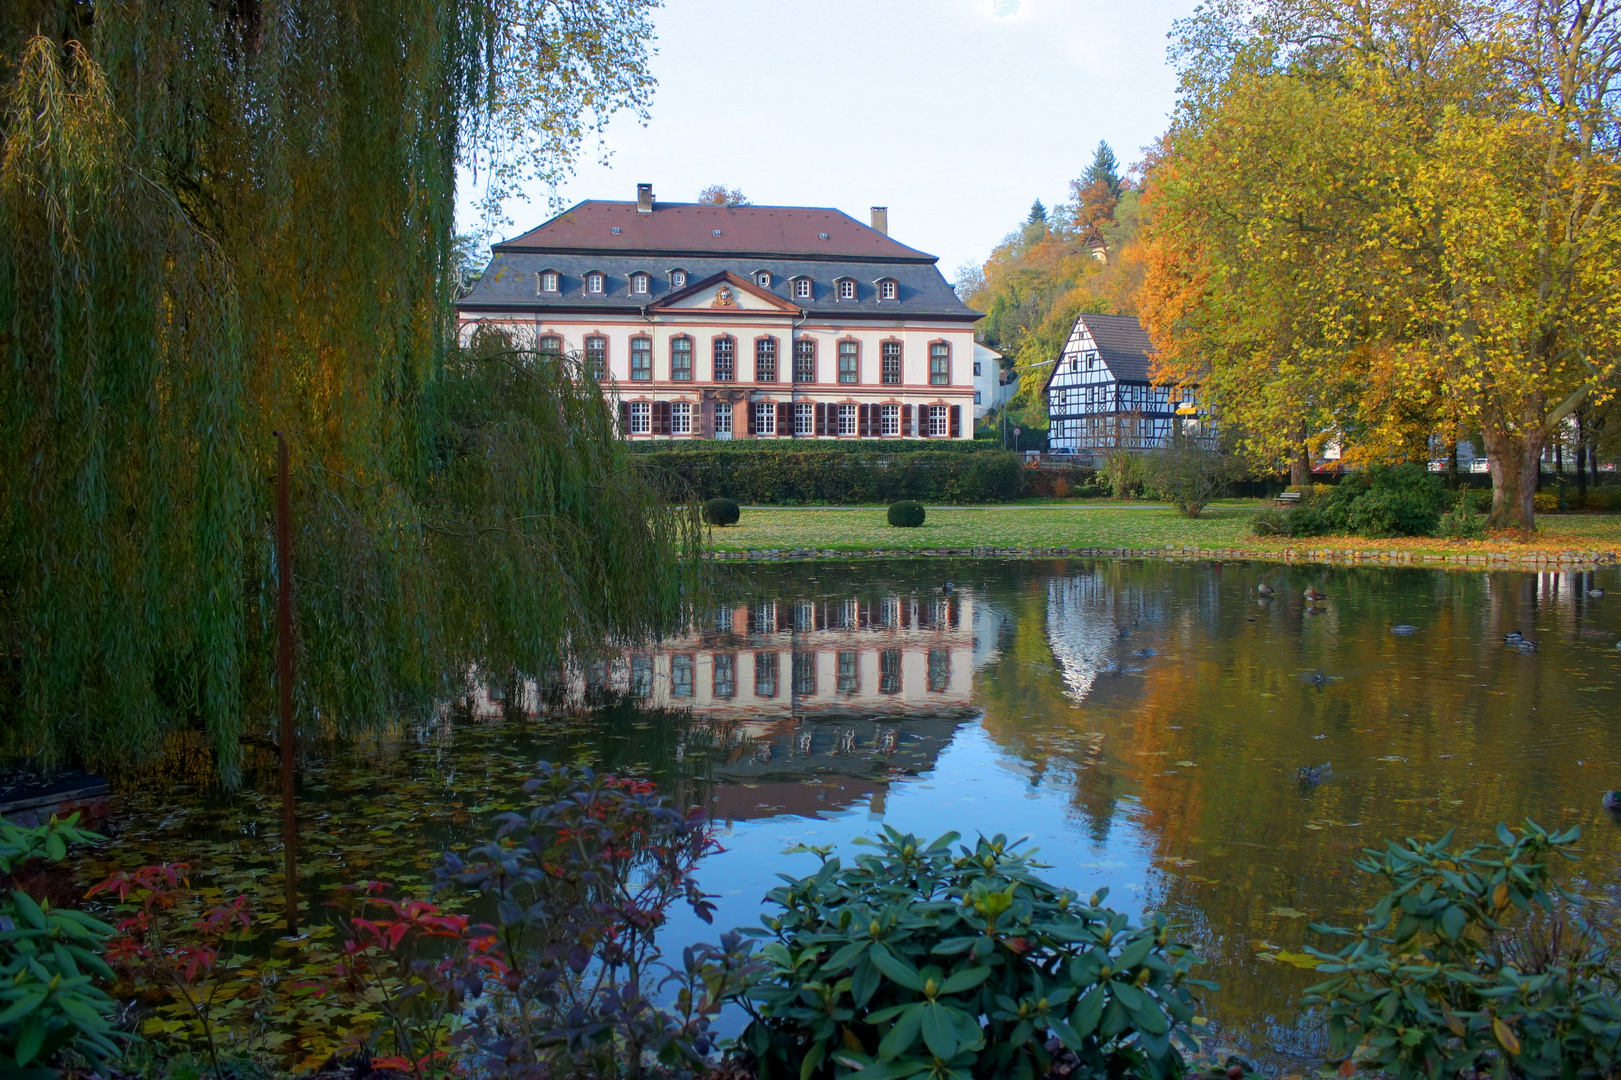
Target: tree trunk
(1452, 467)
(1581, 460)
(1300, 467)
(1516, 465)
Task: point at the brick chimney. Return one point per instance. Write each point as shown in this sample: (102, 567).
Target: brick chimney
(644, 198)
(880, 219)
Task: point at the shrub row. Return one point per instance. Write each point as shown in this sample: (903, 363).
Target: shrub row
(837, 477)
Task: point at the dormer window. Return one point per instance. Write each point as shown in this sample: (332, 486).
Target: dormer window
(549, 281)
(638, 284)
(802, 288)
(678, 279)
(762, 278)
(847, 289)
(887, 289)
(593, 283)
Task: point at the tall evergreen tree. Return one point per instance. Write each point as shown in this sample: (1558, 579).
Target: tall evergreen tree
(1104, 170)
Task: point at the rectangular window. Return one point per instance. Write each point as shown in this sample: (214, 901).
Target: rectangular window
(976, 369)
(765, 417)
(638, 284)
(765, 360)
(889, 369)
(938, 419)
(849, 673)
(641, 676)
(596, 357)
(889, 419)
(765, 674)
(641, 417)
(723, 418)
(593, 283)
(681, 418)
(550, 345)
(805, 360)
(849, 362)
(681, 676)
(804, 674)
(802, 289)
(889, 671)
(939, 364)
(681, 359)
(804, 418)
(725, 676)
(548, 282)
(847, 419)
(847, 289)
(725, 357)
(641, 359)
(976, 397)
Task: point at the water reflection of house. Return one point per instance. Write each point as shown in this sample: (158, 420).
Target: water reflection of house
(1099, 625)
(811, 705)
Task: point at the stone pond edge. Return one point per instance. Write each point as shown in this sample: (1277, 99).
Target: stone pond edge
(1542, 560)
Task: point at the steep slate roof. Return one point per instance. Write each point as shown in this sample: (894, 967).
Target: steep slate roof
(690, 228)
(509, 283)
(1122, 344)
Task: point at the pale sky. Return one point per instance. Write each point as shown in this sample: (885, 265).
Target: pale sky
(953, 113)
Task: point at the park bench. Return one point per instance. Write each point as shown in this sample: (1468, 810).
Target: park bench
(1287, 498)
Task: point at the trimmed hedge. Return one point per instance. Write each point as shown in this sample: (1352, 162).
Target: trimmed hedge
(721, 512)
(837, 477)
(906, 514)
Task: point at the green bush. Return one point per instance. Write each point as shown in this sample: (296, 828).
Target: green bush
(1477, 502)
(49, 959)
(914, 962)
(1469, 966)
(906, 514)
(1400, 500)
(721, 512)
(1545, 502)
(1461, 523)
(1306, 519)
(838, 477)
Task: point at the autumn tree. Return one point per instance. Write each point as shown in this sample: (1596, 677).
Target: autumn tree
(721, 195)
(1450, 262)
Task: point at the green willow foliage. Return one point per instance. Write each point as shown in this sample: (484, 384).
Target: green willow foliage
(225, 220)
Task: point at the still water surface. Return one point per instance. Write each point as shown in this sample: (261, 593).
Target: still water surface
(1143, 723)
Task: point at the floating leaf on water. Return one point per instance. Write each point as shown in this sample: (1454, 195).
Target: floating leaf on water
(1288, 913)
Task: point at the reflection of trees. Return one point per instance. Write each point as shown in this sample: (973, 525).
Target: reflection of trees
(1481, 733)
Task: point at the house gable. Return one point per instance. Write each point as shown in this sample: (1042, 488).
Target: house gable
(725, 293)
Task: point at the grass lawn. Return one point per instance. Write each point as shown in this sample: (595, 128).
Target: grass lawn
(1104, 524)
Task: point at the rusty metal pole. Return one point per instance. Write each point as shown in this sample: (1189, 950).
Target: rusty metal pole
(284, 621)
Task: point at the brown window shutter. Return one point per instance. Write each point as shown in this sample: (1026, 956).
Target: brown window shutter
(785, 418)
(661, 417)
(956, 421)
(749, 406)
(821, 425)
(624, 418)
(906, 420)
(863, 422)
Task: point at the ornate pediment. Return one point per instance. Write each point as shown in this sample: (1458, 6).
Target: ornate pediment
(724, 294)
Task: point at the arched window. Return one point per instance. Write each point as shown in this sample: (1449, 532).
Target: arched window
(681, 359)
(939, 364)
(847, 289)
(887, 289)
(549, 281)
(638, 284)
(802, 288)
(724, 355)
(550, 345)
(594, 283)
(849, 361)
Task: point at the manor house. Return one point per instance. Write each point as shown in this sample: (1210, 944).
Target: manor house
(742, 322)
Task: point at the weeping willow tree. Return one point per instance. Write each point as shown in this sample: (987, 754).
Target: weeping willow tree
(222, 220)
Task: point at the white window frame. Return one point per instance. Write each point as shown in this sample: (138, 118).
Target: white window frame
(542, 348)
(939, 350)
(887, 290)
(641, 417)
(763, 279)
(804, 418)
(641, 347)
(638, 284)
(597, 358)
(940, 420)
(847, 419)
(889, 419)
(594, 284)
(678, 279)
(802, 288)
(765, 417)
(681, 418)
(723, 418)
(847, 289)
(549, 281)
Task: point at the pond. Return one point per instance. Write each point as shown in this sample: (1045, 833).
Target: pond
(1144, 723)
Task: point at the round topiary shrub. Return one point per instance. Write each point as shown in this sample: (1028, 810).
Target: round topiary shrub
(721, 512)
(906, 514)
